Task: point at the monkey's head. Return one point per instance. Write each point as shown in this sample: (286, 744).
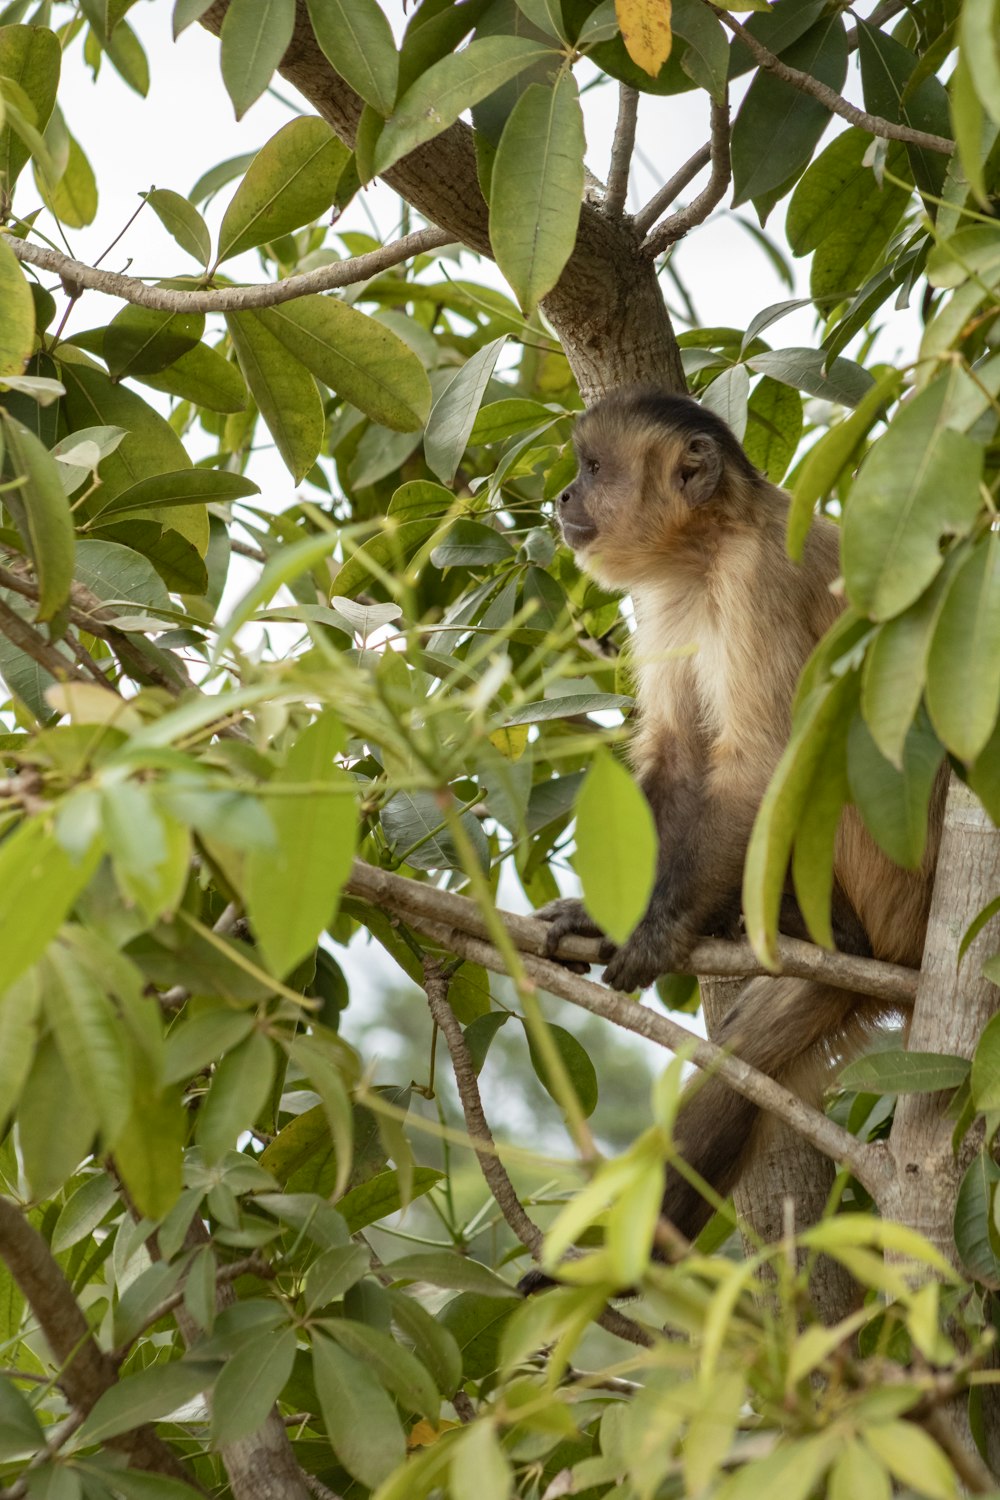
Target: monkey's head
(654, 472)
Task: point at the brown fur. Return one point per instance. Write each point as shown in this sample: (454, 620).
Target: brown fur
(667, 505)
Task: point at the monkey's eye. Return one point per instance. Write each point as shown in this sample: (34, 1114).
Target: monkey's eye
(593, 465)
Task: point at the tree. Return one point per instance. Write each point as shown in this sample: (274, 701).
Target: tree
(206, 1283)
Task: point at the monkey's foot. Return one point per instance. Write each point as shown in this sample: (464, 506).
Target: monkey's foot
(640, 962)
(567, 917)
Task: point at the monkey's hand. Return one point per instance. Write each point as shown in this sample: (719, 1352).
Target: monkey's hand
(567, 917)
(654, 948)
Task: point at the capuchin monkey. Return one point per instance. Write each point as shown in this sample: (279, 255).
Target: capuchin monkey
(667, 506)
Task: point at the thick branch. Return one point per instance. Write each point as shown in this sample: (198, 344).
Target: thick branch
(415, 900)
(86, 1372)
(698, 210)
(829, 97)
(621, 150)
(231, 298)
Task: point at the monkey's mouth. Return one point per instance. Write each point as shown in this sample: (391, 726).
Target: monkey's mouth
(577, 537)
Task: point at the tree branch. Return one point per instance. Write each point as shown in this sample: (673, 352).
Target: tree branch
(493, 1170)
(648, 215)
(231, 298)
(621, 150)
(416, 900)
(711, 194)
(85, 1371)
(836, 103)
(33, 644)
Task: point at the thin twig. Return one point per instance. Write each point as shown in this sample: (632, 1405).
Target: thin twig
(969, 1467)
(621, 150)
(231, 298)
(481, 1138)
(662, 199)
(31, 641)
(875, 125)
(250, 1265)
(798, 960)
(698, 210)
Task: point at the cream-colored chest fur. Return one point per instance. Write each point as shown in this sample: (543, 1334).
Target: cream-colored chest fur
(679, 647)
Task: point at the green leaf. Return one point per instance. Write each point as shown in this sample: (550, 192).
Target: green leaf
(986, 1068)
(21, 1434)
(913, 1458)
(360, 1419)
(919, 481)
(182, 220)
(826, 459)
(56, 1122)
(980, 52)
(416, 829)
(894, 801)
(73, 199)
(41, 513)
(434, 1345)
(382, 1195)
(118, 575)
(893, 676)
(38, 884)
(442, 1268)
(898, 1072)
(976, 1237)
(139, 341)
(471, 544)
(452, 85)
(812, 370)
(149, 1154)
(249, 1383)
(20, 1004)
(357, 39)
(240, 1089)
(479, 1035)
(887, 71)
(292, 891)
(31, 56)
(963, 667)
(150, 447)
(357, 357)
(454, 412)
(615, 847)
(203, 376)
(333, 1273)
(579, 1069)
(774, 427)
(285, 392)
(145, 1396)
(254, 37)
(566, 706)
(83, 1211)
(856, 1473)
(17, 315)
(91, 1039)
(479, 1465)
(844, 214)
(290, 182)
(968, 119)
(789, 121)
(537, 188)
(185, 487)
(778, 818)
(397, 1369)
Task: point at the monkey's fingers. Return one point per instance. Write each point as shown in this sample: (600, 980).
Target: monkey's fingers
(567, 917)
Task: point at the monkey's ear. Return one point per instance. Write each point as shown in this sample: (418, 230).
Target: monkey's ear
(699, 468)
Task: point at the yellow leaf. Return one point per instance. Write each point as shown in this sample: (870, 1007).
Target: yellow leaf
(423, 1433)
(511, 742)
(645, 29)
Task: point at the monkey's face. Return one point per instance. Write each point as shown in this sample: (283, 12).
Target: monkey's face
(639, 483)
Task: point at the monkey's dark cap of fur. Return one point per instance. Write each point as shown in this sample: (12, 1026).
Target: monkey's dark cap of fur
(684, 416)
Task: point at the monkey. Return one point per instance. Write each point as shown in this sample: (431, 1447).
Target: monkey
(667, 505)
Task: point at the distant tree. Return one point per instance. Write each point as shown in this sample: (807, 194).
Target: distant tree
(202, 1282)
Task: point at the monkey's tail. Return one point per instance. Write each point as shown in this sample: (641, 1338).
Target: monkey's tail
(794, 1030)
